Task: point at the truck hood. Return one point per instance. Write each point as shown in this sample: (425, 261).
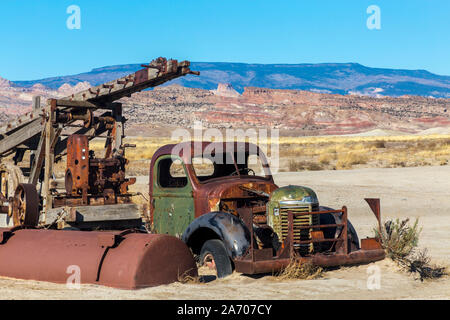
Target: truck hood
(294, 193)
(231, 187)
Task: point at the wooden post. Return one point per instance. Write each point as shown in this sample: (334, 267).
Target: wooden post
(119, 130)
(49, 155)
(36, 163)
(3, 184)
(36, 103)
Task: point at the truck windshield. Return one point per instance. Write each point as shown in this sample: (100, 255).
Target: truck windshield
(227, 165)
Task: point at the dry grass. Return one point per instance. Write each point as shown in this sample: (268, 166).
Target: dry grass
(300, 271)
(322, 153)
(324, 159)
(185, 278)
(348, 160)
(304, 165)
(343, 153)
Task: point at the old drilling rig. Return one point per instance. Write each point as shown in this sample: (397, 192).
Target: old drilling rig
(64, 127)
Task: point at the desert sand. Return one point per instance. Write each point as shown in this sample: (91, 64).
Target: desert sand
(422, 192)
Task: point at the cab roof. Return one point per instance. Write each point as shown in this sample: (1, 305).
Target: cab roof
(197, 148)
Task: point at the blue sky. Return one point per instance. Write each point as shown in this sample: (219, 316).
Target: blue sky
(415, 34)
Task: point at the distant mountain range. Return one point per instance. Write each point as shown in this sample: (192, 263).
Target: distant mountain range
(340, 78)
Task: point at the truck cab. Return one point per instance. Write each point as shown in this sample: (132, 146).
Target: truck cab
(205, 178)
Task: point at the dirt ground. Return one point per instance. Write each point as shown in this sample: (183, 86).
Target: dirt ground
(422, 192)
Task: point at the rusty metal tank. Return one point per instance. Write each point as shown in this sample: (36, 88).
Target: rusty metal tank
(126, 260)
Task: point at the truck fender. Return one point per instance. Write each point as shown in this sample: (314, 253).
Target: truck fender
(218, 225)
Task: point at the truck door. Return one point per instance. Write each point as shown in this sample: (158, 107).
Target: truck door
(173, 201)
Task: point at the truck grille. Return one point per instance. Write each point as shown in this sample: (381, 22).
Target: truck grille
(300, 234)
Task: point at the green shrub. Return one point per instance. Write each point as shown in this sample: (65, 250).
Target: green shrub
(400, 241)
(399, 238)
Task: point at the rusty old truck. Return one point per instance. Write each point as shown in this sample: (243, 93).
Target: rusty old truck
(222, 201)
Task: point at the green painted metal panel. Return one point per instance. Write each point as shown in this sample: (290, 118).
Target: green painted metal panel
(174, 206)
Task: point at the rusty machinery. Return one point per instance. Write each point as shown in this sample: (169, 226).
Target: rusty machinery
(88, 177)
(58, 129)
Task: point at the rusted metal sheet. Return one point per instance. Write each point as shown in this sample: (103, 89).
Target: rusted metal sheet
(126, 260)
(374, 205)
(370, 244)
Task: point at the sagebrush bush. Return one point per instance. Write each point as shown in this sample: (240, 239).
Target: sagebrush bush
(399, 238)
(400, 241)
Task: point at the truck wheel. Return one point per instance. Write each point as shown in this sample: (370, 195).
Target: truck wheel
(214, 255)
